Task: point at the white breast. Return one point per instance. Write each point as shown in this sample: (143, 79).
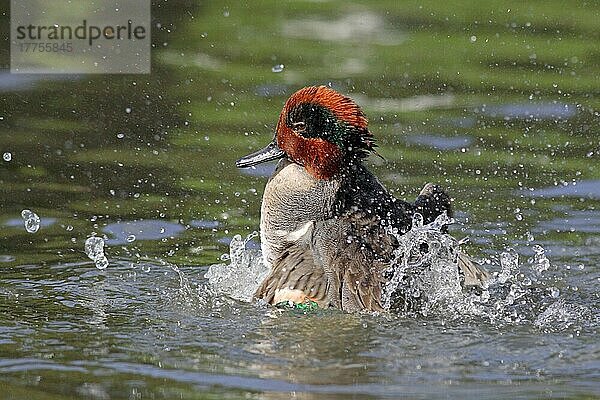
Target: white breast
(292, 202)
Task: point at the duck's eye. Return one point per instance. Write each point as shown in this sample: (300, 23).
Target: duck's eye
(299, 126)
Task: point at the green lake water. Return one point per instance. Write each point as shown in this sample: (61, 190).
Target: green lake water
(496, 101)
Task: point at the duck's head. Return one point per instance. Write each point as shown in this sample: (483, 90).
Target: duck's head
(319, 129)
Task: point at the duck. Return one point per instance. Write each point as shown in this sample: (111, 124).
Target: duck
(328, 226)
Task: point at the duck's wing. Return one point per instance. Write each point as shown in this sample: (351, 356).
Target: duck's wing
(473, 274)
(336, 263)
(355, 251)
(360, 283)
(433, 201)
(295, 276)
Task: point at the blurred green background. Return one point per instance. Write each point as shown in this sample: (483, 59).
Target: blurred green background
(486, 98)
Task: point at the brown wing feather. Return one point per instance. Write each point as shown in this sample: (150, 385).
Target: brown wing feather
(361, 286)
(474, 274)
(355, 250)
(295, 273)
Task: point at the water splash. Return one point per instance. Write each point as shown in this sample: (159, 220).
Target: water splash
(560, 315)
(524, 293)
(245, 272)
(94, 248)
(539, 261)
(424, 270)
(31, 220)
(509, 263)
(426, 278)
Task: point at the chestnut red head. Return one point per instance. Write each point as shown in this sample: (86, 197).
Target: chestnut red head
(320, 129)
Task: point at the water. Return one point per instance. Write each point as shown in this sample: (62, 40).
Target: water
(570, 189)
(537, 111)
(94, 249)
(507, 121)
(429, 284)
(241, 277)
(277, 68)
(31, 221)
(441, 143)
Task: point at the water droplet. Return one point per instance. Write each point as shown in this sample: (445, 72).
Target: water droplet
(519, 217)
(440, 221)
(244, 272)
(473, 39)
(128, 110)
(554, 292)
(529, 236)
(69, 228)
(509, 262)
(94, 248)
(121, 135)
(540, 261)
(32, 221)
(130, 238)
(101, 263)
(7, 156)
(278, 68)
(417, 220)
